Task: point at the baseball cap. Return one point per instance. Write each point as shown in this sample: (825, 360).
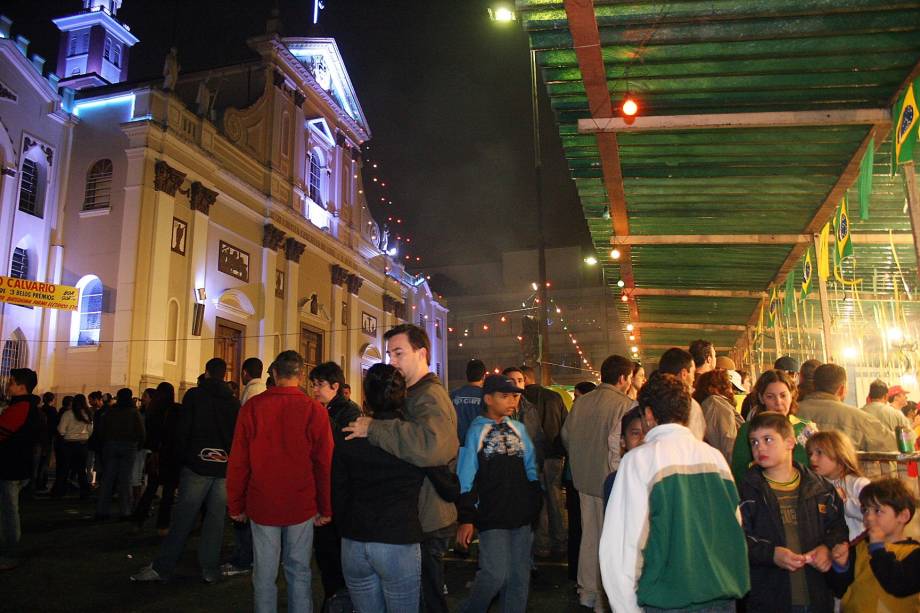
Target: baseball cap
(723, 361)
(787, 363)
(895, 390)
(500, 383)
(735, 377)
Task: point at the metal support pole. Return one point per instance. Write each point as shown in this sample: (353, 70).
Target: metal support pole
(825, 306)
(913, 205)
(543, 311)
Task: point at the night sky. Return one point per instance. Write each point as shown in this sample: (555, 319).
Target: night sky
(446, 93)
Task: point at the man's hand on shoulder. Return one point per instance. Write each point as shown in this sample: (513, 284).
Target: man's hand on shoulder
(358, 428)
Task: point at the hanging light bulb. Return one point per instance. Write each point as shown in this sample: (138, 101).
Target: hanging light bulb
(630, 106)
(621, 283)
(615, 253)
(630, 327)
(624, 298)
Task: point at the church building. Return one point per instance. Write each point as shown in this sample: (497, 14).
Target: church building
(218, 213)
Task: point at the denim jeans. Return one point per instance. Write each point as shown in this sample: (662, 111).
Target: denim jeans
(551, 533)
(242, 545)
(9, 518)
(195, 492)
(382, 576)
(295, 544)
(71, 458)
(119, 465)
(434, 546)
(504, 570)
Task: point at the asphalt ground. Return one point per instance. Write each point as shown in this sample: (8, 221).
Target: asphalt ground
(72, 563)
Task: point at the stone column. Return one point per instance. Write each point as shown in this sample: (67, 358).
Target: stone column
(355, 336)
(272, 240)
(293, 249)
(165, 184)
(340, 325)
(196, 349)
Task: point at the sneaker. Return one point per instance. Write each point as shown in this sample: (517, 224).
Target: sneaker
(147, 574)
(231, 570)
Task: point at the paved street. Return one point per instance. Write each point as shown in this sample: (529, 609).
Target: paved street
(75, 564)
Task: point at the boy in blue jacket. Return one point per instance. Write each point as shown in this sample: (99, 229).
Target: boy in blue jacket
(499, 494)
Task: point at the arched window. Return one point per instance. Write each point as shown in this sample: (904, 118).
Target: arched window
(106, 52)
(86, 323)
(316, 178)
(172, 330)
(15, 354)
(98, 186)
(19, 266)
(30, 191)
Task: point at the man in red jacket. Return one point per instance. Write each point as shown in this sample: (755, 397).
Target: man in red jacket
(278, 478)
(19, 431)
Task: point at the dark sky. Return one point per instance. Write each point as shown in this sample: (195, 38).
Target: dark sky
(445, 91)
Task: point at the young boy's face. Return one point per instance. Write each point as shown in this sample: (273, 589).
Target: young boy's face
(770, 449)
(884, 518)
(500, 404)
(633, 436)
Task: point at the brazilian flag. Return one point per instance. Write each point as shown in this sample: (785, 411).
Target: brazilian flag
(807, 271)
(842, 232)
(906, 125)
(774, 307)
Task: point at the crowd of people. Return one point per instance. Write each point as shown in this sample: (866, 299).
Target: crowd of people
(687, 488)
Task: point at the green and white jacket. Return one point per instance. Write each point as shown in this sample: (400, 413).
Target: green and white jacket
(672, 533)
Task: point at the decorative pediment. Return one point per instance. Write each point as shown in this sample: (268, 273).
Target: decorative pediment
(235, 303)
(323, 61)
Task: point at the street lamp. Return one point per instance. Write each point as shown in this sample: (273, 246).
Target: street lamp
(503, 15)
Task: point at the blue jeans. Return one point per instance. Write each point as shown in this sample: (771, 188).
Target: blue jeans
(9, 518)
(504, 570)
(382, 576)
(242, 545)
(195, 491)
(118, 465)
(296, 544)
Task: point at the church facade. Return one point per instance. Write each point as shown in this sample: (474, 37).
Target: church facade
(211, 214)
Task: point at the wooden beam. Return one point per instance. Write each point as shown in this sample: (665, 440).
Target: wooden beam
(586, 41)
(913, 206)
(773, 119)
(659, 325)
(665, 347)
(864, 238)
(700, 293)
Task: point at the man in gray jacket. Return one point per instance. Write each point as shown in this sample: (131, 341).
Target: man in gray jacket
(427, 437)
(825, 407)
(591, 434)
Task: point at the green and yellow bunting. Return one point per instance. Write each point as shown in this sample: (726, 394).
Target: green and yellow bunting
(842, 238)
(864, 183)
(906, 125)
(774, 308)
(807, 272)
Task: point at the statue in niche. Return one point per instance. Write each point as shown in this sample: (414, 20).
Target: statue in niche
(203, 98)
(171, 69)
(385, 238)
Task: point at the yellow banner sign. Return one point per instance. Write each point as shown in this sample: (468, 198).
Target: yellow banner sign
(36, 293)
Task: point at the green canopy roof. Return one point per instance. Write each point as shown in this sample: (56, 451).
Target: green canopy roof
(695, 208)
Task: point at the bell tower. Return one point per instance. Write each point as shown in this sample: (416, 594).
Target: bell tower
(94, 45)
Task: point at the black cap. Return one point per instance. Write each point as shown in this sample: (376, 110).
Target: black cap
(787, 363)
(500, 383)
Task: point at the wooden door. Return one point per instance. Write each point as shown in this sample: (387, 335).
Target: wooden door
(228, 345)
(311, 348)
